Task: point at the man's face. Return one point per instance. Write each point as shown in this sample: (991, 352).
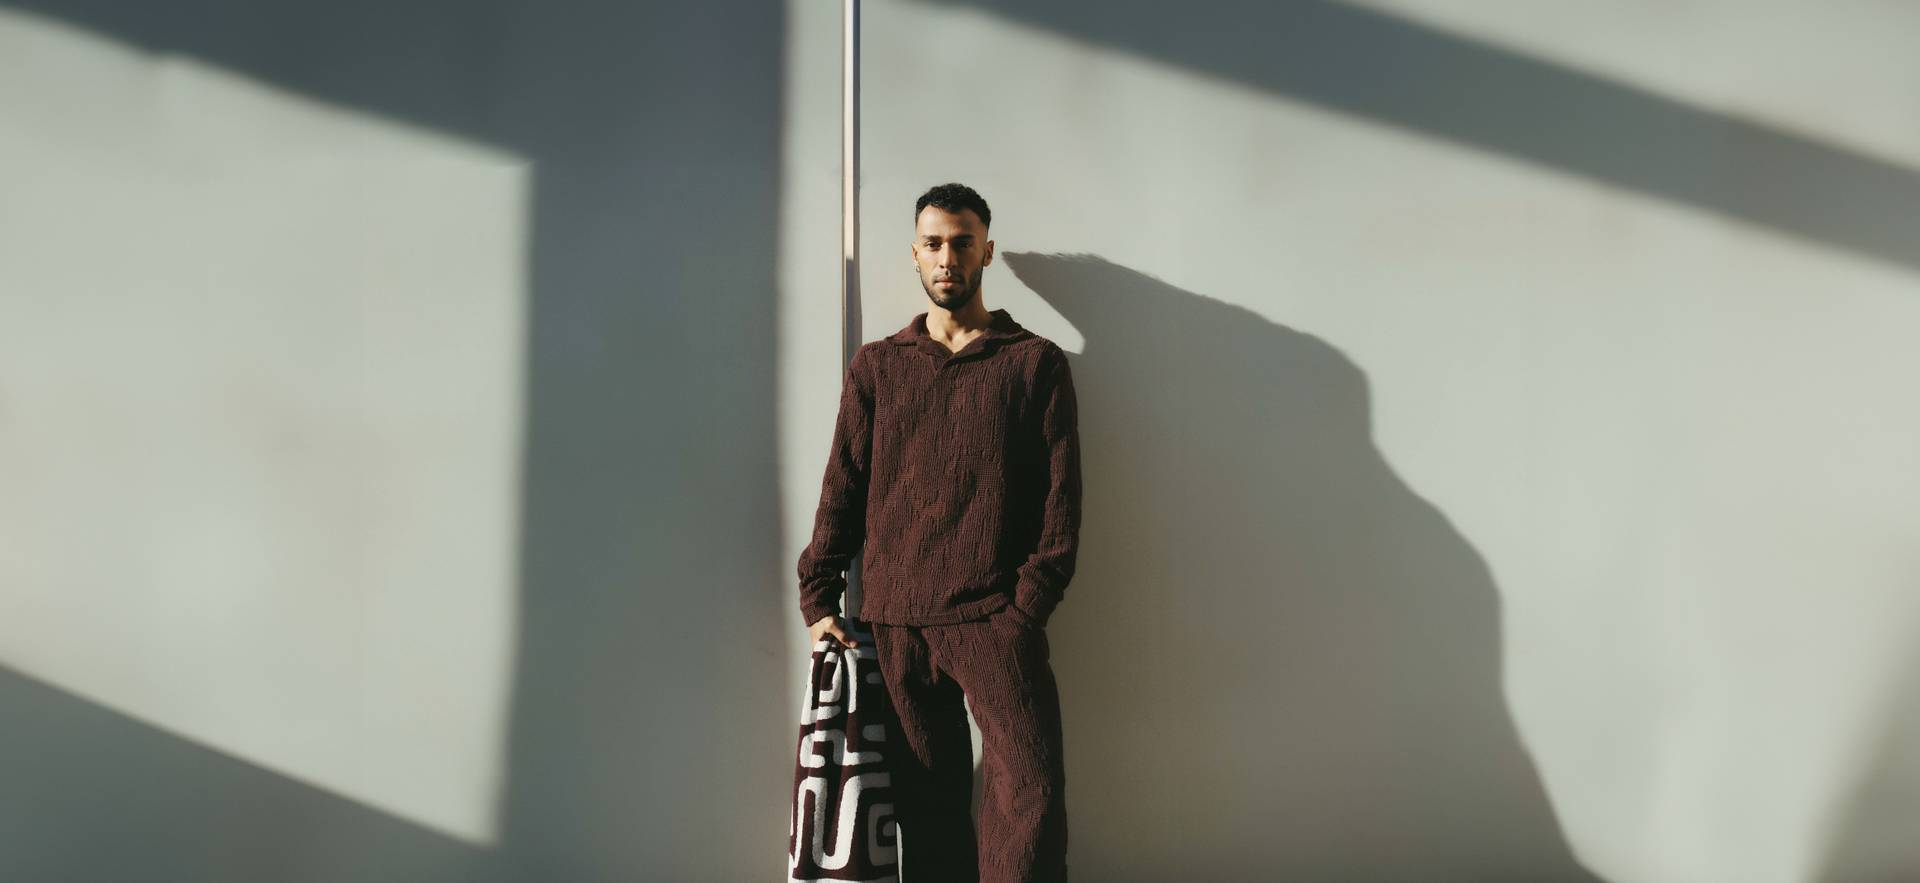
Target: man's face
(952, 252)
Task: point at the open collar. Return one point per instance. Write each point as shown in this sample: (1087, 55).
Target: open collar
(1001, 330)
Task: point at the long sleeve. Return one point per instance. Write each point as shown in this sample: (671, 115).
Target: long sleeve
(840, 522)
(1043, 578)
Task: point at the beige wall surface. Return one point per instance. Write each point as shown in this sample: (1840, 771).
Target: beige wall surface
(387, 484)
(261, 361)
(1500, 449)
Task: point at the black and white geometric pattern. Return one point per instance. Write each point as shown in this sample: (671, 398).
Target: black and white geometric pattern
(842, 824)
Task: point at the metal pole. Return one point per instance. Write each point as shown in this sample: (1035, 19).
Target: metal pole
(850, 325)
(850, 330)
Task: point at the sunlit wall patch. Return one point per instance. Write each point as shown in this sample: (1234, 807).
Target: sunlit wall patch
(261, 388)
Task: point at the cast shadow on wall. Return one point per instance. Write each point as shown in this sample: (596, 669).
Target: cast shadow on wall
(1278, 661)
(1533, 110)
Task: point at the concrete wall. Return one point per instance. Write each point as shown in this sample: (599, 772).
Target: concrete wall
(1499, 458)
(388, 461)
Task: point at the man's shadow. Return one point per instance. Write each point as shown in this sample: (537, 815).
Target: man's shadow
(1278, 661)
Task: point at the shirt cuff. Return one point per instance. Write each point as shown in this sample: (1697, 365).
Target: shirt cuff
(814, 613)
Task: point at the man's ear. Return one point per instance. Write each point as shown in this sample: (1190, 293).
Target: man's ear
(989, 258)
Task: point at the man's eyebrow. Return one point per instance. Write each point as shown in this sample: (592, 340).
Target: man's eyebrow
(937, 236)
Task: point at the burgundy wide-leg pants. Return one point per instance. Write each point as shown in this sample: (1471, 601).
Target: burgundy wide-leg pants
(1001, 667)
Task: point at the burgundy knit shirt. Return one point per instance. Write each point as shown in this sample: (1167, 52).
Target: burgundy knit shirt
(957, 473)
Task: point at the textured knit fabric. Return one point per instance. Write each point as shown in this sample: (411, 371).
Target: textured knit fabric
(959, 475)
(1001, 666)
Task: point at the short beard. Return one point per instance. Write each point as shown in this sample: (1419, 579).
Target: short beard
(951, 301)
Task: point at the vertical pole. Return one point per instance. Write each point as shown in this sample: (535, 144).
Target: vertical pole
(850, 330)
(850, 324)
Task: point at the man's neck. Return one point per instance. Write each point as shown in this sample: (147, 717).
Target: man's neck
(958, 326)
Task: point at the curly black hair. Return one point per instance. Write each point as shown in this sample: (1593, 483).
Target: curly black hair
(953, 197)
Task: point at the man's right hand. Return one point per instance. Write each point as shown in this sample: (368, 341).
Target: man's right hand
(831, 625)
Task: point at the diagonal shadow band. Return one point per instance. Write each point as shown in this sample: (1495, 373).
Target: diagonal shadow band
(1372, 65)
(82, 775)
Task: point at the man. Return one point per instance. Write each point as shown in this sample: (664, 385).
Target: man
(956, 464)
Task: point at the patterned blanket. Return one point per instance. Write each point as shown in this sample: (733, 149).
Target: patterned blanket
(842, 824)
